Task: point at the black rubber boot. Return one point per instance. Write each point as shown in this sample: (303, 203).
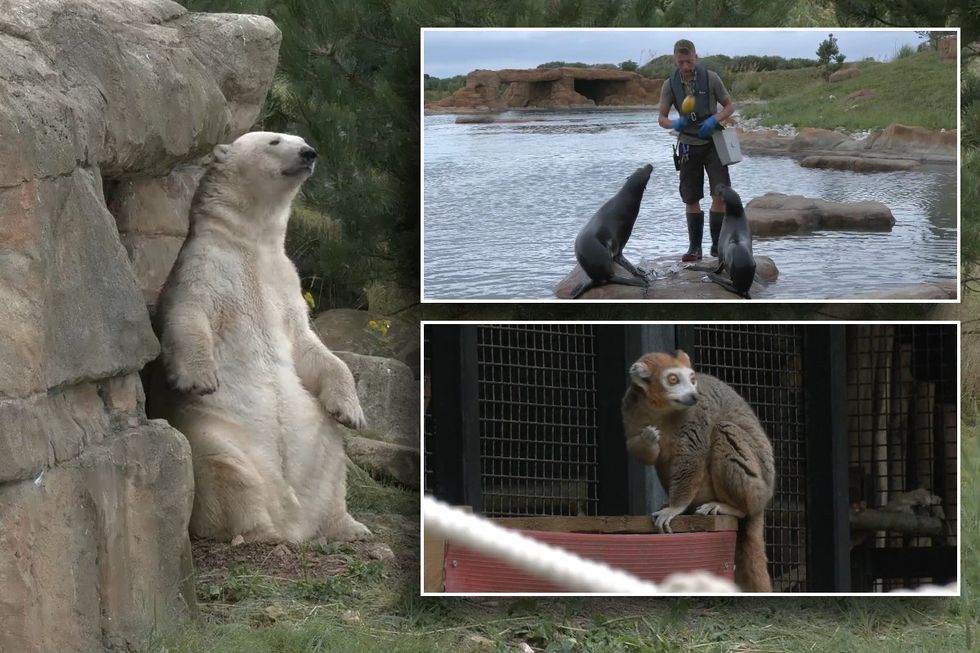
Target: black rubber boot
(715, 218)
(695, 231)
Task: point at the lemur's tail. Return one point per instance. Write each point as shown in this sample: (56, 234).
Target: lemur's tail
(751, 573)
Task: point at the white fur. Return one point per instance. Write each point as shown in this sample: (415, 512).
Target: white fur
(685, 390)
(261, 396)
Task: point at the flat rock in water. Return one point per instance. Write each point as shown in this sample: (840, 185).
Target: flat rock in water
(916, 291)
(669, 279)
(858, 163)
(775, 214)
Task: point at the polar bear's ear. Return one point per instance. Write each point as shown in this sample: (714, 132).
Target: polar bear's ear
(221, 152)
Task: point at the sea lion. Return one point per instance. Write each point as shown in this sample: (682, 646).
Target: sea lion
(734, 246)
(600, 242)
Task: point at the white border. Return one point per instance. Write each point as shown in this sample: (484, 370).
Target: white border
(681, 32)
(959, 455)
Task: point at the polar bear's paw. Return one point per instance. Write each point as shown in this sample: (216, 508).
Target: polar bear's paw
(349, 530)
(199, 379)
(345, 408)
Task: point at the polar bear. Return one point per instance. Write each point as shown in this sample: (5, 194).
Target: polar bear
(259, 396)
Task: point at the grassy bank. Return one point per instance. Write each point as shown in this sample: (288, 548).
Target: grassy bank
(916, 90)
(338, 598)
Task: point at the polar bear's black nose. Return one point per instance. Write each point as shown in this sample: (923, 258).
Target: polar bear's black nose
(307, 154)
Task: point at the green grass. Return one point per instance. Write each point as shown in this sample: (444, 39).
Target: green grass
(372, 606)
(913, 90)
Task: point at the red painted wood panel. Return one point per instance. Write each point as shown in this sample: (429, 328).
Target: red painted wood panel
(650, 557)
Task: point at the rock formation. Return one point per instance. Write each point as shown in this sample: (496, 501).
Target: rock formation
(896, 143)
(775, 214)
(105, 104)
(857, 163)
(842, 74)
(551, 88)
(674, 281)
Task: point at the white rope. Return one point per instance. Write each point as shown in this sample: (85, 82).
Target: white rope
(554, 564)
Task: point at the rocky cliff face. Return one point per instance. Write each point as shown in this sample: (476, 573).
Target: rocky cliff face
(105, 105)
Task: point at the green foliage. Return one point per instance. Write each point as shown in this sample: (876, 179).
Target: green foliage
(436, 88)
(564, 64)
(911, 13)
(661, 67)
(828, 50)
(905, 51)
(629, 65)
(970, 166)
(970, 198)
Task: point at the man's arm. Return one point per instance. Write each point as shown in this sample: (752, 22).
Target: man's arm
(666, 102)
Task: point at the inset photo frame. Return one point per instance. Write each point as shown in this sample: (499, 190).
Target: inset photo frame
(795, 458)
(564, 165)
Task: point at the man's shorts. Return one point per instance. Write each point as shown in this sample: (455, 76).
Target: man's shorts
(701, 158)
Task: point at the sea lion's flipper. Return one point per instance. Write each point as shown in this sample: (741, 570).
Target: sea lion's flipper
(629, 267)
(629, 281)
(708, 268)
(583, 287)
(759, 280)
(727, 285)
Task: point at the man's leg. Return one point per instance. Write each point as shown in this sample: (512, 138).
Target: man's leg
(692, 190)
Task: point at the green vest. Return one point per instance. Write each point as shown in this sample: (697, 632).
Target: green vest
(704, 99)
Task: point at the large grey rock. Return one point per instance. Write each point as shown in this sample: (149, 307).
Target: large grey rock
(46, 429)
(669, 279)
(156, 206)
(857, 163)
(94, 553)
(386, 459)
(72, 309)
(389, 395)
(775, 214)
(152, 217)
(240, 53)
(95, 500)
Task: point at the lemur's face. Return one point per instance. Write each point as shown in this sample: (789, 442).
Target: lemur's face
(680, 386)
(668, 381)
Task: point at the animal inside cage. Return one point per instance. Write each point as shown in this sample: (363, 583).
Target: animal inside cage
(764, 363)
(526, 423)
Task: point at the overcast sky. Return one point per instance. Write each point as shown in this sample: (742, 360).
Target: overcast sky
(458, 52)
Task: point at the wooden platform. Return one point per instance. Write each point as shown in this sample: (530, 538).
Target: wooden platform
(630, 543)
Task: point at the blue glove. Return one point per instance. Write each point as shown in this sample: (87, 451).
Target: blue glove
(707, 127)
(680, 124)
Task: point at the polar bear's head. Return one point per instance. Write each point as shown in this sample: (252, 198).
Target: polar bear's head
(267, 160)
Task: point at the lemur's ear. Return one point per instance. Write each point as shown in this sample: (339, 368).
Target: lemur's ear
(640, 374)
(683, 358)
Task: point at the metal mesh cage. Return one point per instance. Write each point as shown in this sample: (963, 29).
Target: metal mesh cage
(763, 363)
(537, 415)
(902, 432)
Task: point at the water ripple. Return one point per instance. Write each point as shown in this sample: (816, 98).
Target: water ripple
(504, 202)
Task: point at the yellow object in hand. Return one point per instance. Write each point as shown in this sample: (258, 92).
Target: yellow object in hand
(687, 106)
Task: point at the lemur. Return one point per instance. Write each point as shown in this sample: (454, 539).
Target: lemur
(709, 449)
